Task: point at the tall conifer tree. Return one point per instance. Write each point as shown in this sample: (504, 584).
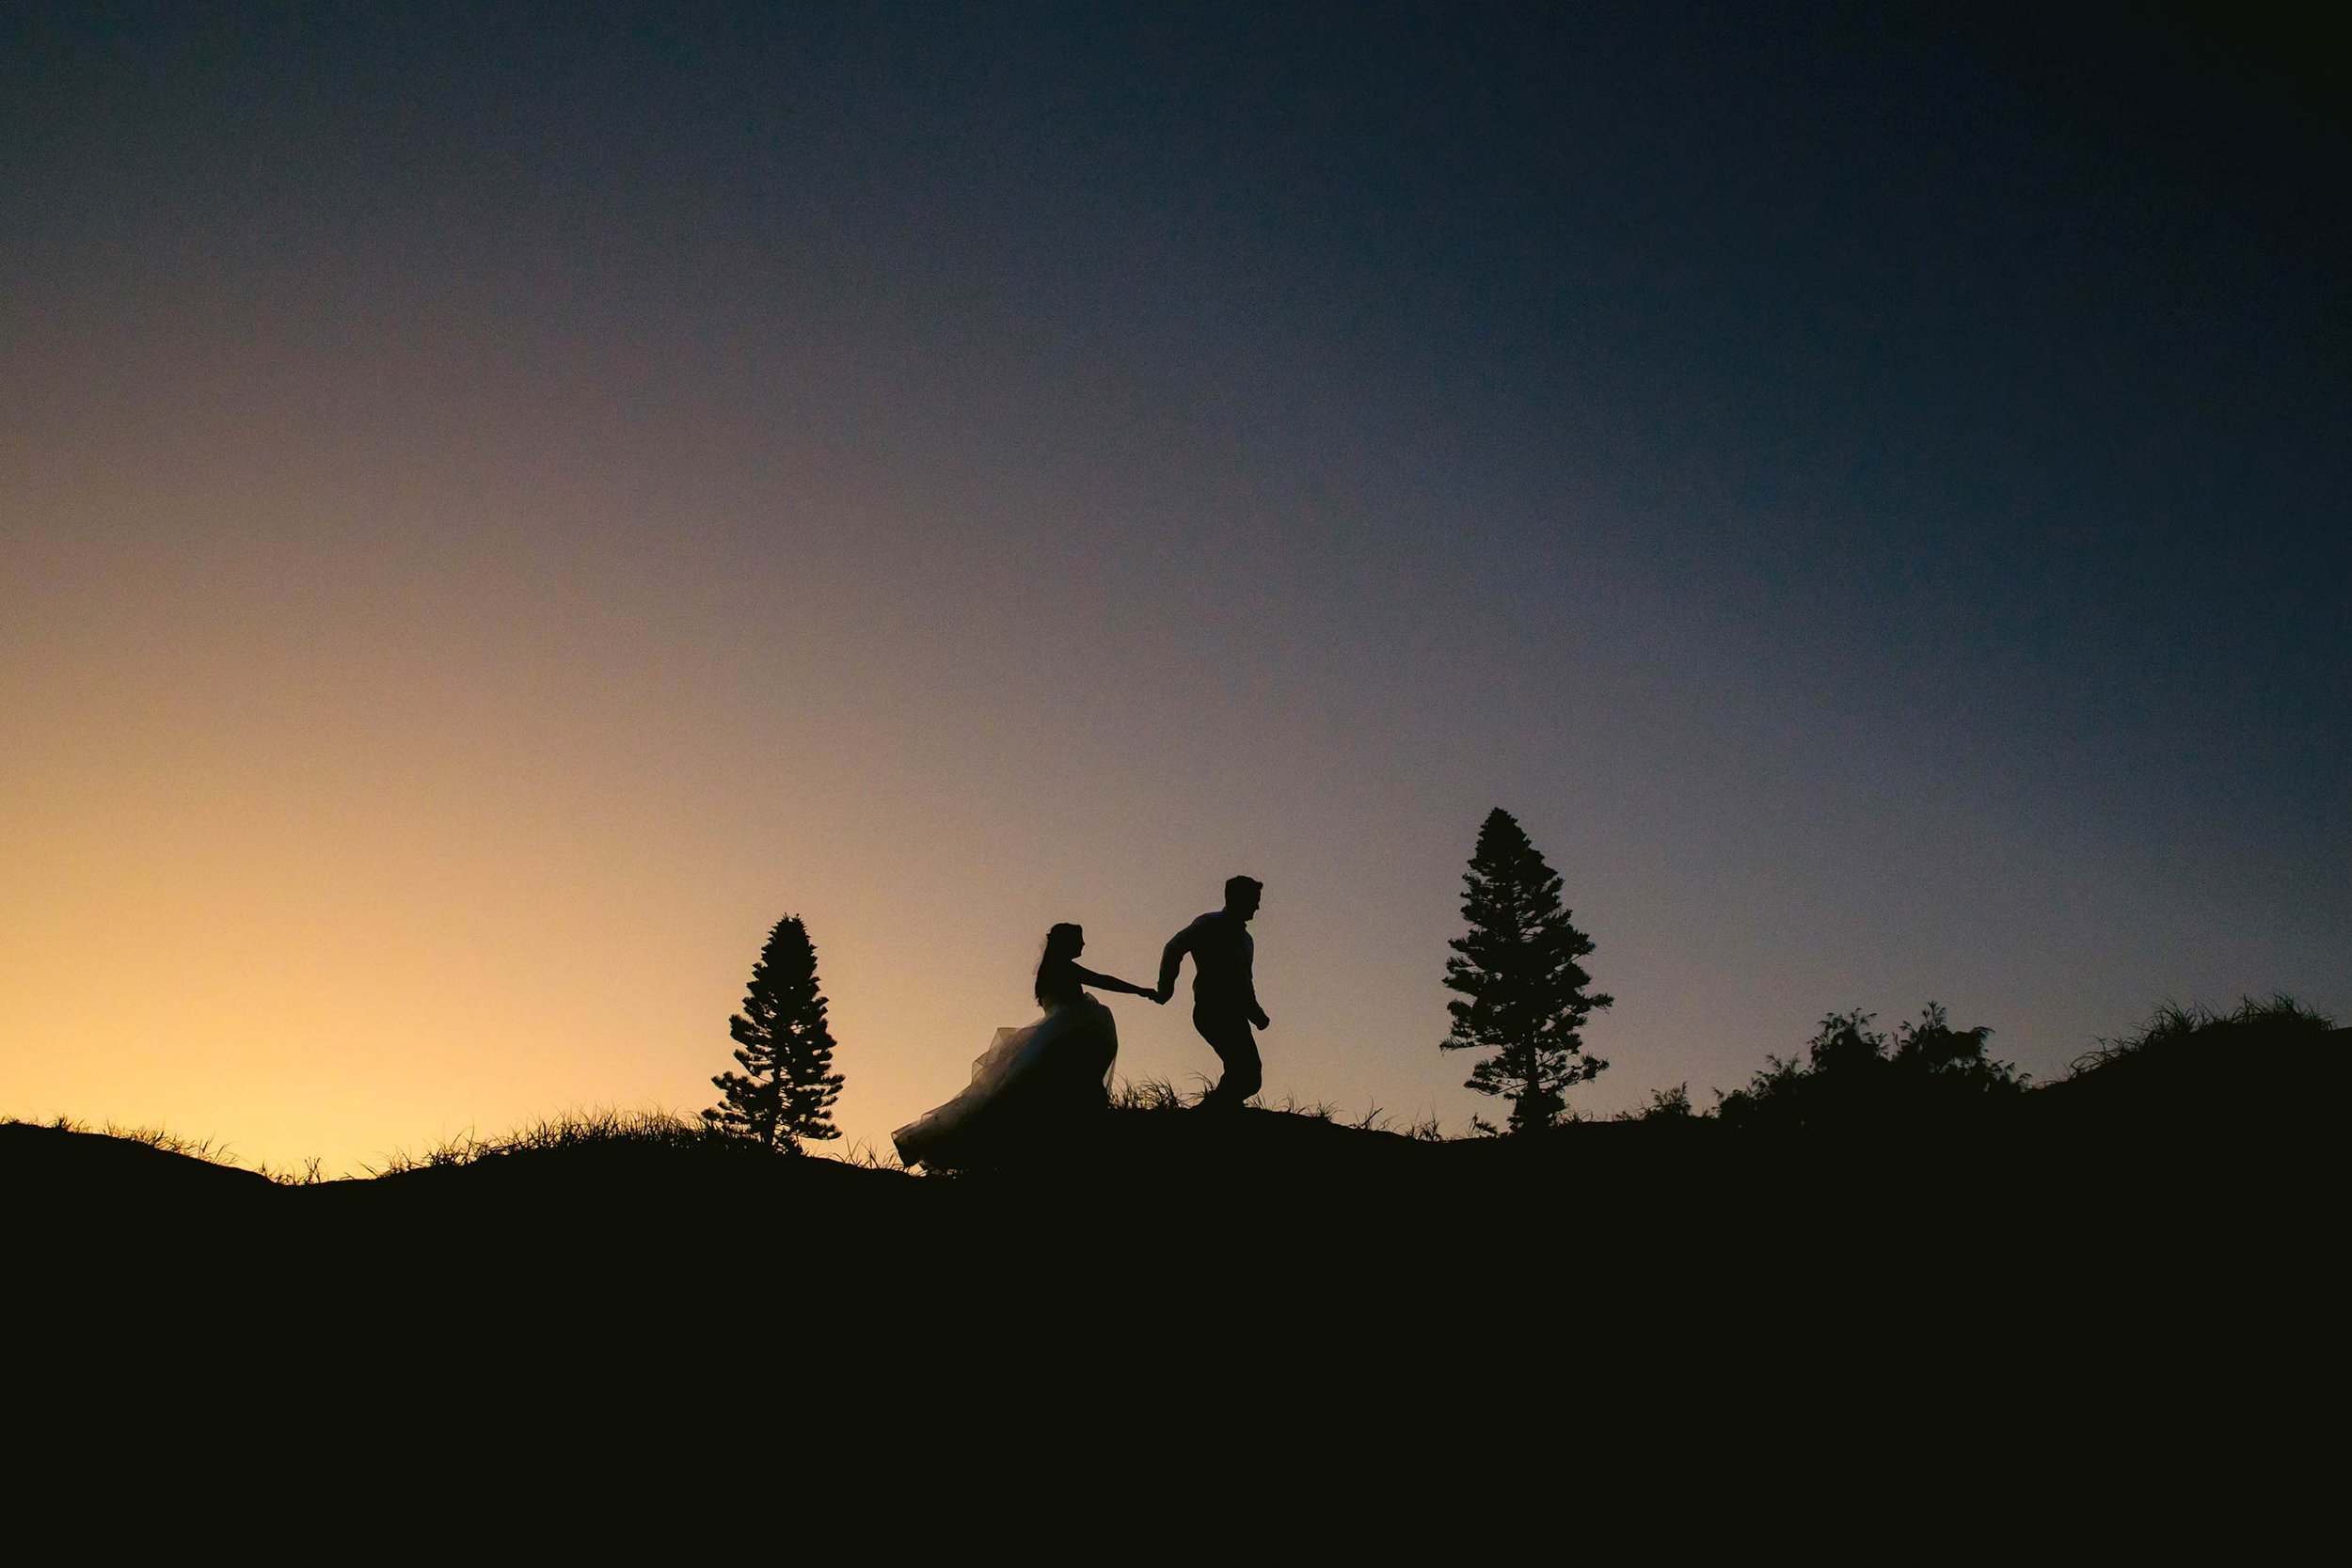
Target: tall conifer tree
(787, 1088)
(1524, 995)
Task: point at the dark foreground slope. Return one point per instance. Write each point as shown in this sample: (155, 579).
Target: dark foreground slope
(2139, 1153)
(2107, 1324)
(2117, 1245)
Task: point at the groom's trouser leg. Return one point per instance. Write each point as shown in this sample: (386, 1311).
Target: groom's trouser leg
(1237, 1048)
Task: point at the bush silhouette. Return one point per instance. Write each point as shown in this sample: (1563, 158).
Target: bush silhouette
(1664, 1105)
(1851, 1080)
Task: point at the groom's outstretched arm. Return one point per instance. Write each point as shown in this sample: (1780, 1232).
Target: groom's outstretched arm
(1172, 959)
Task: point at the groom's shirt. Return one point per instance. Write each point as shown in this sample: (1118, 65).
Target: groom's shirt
(1222, 954)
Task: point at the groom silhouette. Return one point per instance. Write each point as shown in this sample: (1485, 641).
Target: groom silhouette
(1224, 995)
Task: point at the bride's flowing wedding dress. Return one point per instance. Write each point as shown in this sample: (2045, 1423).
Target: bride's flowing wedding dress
(1030, 1082)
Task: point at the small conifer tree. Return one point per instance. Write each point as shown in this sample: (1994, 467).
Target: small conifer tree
(1524, 995)
(787, 1087)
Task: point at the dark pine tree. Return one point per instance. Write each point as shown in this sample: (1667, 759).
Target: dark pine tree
(787, 1088)
(1524, 995)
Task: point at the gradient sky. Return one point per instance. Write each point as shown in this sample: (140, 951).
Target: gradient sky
(496, 506)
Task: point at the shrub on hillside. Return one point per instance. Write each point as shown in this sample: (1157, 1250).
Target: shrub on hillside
(1854, 1076)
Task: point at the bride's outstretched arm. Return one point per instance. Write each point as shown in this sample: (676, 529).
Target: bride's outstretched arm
(1107, 982)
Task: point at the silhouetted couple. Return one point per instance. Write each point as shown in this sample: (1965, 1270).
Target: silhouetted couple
(1034, 1084)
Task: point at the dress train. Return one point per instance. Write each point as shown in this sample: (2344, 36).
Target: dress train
(1031, 1084)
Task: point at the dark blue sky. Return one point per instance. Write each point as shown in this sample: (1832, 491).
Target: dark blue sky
(1865, 482)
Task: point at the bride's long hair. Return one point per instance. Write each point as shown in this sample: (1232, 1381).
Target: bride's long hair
(1062, 950)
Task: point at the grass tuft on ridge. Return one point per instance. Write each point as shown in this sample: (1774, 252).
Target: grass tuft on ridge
(2173, 1028)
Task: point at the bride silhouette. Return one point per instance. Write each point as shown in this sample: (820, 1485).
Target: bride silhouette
(1034, 1083)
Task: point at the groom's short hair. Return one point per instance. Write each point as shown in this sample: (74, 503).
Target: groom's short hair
(1236, 886)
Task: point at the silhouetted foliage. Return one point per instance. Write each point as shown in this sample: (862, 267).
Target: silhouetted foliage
(1524, 995)
(787, 1088)
(1664, 1105)
(1850, 1079)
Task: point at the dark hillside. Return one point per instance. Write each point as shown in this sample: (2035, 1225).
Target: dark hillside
(2134, 1200)
(65, 1168)
(2160, 1107)
(2247, 1070)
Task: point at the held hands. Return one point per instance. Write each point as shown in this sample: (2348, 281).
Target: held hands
(1161, 995)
